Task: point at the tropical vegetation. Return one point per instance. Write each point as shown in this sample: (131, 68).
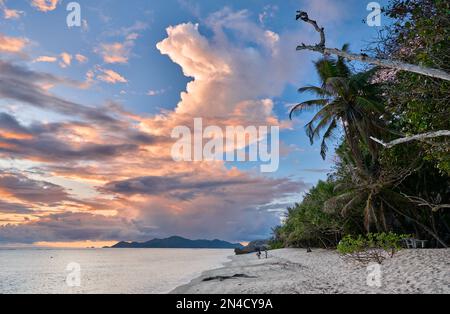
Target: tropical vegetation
(403, 189)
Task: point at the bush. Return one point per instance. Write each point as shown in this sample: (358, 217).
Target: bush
(374, 247)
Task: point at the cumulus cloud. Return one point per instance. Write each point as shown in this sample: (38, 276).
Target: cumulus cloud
(10, 14)
(46, 59)
(114, 52)
(120, 52)
(231, 210)
(12, 44)
(81, 58)
(227, 73)
(45, 5)
(126, 158)
(66, 60)
(110, 76)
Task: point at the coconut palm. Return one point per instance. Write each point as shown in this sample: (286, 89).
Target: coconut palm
(349, 101)
(345, 100)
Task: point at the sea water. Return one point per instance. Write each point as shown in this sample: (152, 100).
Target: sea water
(123, 271)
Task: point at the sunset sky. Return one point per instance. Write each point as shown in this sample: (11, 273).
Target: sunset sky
(86, 115)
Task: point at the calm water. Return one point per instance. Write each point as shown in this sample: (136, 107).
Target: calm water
(104, 271)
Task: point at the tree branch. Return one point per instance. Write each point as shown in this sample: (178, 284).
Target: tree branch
(424, 203)
(419, 137)
(392, 64)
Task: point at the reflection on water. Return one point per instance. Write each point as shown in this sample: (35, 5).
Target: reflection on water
(104, 270)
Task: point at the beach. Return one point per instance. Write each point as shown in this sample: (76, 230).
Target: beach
(294, 271)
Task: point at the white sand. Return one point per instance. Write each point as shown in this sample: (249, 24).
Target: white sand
(293, 271)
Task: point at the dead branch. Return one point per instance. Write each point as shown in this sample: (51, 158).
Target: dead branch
(392, 64)
(419, 137)
(435, 206)
(431, 232)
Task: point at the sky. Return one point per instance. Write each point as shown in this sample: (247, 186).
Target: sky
(86, 115)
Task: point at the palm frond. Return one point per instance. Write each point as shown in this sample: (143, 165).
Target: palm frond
(369, 106)
(358, 199)
(341, 66)
(334, 204)
(328, 134)
(326, 68)
(337, 86)
(319, 91)
(308, 105)
(323, 118)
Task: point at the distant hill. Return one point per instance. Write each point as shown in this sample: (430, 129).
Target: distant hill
(177, 243)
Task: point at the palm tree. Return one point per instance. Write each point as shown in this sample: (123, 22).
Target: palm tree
(345, 100)
(349, 101)
(376, 195)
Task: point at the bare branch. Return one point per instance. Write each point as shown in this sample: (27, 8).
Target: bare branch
(424, 203)
(301, 15)
(419, 137)
(392, 64)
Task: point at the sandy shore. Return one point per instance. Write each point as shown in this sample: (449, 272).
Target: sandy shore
(293, 271)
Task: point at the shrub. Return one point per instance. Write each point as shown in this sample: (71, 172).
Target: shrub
(374, 247)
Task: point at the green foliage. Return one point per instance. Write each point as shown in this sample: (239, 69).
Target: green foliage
(346, 100)
(307, 224)
(374, 247)
(275, 245)
(421, 104)
(389, 242)
(400, 190)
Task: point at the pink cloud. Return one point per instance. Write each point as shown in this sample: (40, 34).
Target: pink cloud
(45, 5)
(81, 58)
(10, 14)
(46, 59)
(12, 44)
(114, 52)
(66, 60)
(110, 76)
(134, 175)
(232, 81)
(120, 52)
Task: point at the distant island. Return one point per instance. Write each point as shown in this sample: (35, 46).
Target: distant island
(177, 243)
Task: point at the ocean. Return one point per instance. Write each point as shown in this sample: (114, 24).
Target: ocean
(103, 271)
